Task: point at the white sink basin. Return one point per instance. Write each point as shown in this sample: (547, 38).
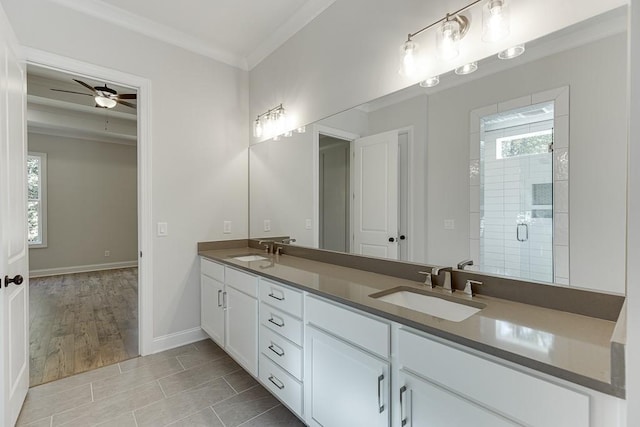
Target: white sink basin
(247, 258)
(433, 306)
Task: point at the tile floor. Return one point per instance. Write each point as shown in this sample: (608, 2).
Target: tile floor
(194, 385)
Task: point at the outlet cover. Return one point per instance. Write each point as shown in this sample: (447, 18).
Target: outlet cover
(267, 225)
(307, 224)
(227, 227)
(107, 253)
(449, 224)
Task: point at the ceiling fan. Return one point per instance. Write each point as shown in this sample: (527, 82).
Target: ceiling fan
(104, 96)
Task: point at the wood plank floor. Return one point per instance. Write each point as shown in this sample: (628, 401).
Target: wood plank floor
(80, 322)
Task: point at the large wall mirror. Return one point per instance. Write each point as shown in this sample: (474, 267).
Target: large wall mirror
(520, 167)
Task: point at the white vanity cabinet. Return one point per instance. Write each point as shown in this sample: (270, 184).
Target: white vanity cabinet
(437, 383)
(347, 372)
(281, 353)
(229, 311)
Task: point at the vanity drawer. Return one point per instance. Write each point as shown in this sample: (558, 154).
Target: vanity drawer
(368, 333)
(522, 397)
(212, 269)
(281, 297)
(282, 385)
(242, 281)
(282, 323)
(284, 353)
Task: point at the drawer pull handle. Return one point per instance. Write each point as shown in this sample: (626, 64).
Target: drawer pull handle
(277, 350)
(219, 293)
(403, 418)
(279, 324)
(272, 295)
(380, 404)
(278, 384)
(224, 300)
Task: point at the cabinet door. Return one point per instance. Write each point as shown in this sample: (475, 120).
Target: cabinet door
(425, 404)
(345, 386)
(211, 308)
(242, 329)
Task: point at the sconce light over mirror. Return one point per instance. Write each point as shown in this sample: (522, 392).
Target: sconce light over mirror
(274, 123)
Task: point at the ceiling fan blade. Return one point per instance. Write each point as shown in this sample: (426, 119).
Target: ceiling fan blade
(91, 88)
(128, 96)
(70, 91)
(128, 104)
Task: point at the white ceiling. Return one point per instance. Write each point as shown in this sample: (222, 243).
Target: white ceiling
(240, 33)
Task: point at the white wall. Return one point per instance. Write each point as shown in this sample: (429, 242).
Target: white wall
(200, 135)
(597, 156)
(91, 203)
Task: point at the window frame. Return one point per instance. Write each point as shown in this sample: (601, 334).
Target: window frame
(43, 200)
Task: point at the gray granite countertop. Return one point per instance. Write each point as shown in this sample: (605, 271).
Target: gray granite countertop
(570, 346)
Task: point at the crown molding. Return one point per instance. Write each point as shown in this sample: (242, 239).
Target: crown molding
(149, 28)
(307, 13)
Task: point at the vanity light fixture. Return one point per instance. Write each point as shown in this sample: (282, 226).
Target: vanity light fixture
(272, 121)
(467, 68)
(301, 129)
(495, 20)
(449, 34)
(512, 52)
(430, 82)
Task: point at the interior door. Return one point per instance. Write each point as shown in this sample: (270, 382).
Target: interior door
(375, 195)
(14, 298)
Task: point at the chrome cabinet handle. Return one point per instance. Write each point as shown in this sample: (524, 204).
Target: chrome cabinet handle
(278, 324)
(380, 404)
(277, 350)
(224, 300)
(273, 381)
(272, 295)
(219, 293)
(403, 417)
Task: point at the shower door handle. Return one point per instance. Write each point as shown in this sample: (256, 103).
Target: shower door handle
(522, 229)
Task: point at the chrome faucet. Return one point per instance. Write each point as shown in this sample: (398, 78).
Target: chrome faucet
(288, 240)
(446, 284)
(268, 245)
(464, 263)
(427, 279)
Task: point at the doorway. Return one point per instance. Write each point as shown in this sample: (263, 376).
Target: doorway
(334, 188)
(83, 225)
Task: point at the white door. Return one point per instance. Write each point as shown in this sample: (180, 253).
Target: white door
(14, 297)
(212, 308)
(349, 387)
(424, 404)
(242, 329)
(375, 195)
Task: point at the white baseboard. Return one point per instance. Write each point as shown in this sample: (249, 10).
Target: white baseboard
(81, 268)
(177, 339)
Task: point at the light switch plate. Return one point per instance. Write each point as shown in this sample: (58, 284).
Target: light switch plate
(267, 225)
(227, 227)
(449, 224)
(307, 224)
(163, 229)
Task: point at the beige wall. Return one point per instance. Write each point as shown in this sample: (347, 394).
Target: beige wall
(92, 203)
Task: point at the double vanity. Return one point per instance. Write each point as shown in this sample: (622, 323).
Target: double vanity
(350, 340)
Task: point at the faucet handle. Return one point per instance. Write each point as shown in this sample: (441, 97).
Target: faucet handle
(468, 288)
(427, 279)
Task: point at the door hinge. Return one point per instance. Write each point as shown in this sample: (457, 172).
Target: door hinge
(551, 147)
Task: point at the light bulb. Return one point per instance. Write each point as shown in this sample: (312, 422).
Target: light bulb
(257, 128)
(495, 21)
(448, 39)
(430, 82)
(409, 65)
(512, 52)
(288, 134)
(301, 129)
(467, 68)
(276, 138)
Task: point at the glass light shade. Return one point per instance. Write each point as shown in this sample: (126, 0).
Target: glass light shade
(105, 102)
(430, 82)
(276, 138)
(288, 134)
(409, 64)
(512, 52)
(301, 129)
(495, 21)
(257, 129)
(448, 39)
(467, 68)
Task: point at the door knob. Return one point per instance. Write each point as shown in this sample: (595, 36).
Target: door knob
(402, 237)
(392, 239)
(17, 279)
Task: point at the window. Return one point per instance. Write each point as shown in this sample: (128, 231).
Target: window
(37, 200)
(524, 145)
